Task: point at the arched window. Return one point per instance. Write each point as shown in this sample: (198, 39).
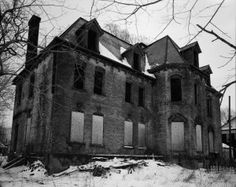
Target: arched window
(199, 137)
(176, 89)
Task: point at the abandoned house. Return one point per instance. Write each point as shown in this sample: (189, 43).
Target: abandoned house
(91, 93)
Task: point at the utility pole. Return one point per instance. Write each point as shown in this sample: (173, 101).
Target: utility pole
(230, 140)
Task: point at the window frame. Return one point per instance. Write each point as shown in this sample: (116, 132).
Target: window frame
(142, 143)
(201, 134)
(99, 81)
(79, 70)
(93, 131)
(132, 134)
(174, 89)
(128, 92)
(72, 131)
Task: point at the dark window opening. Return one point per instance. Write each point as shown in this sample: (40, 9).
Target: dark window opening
(195, 94)
(31, 86)
(176, 90)
(19, 92)
(92, 40)
(15, 137)
(98, 81)
(224, 138)
(128, 87)
(136, 63)
(79, 76)
(209, 107)
(196, 59)
(141, 96)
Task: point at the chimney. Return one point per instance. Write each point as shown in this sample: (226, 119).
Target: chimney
(32, 40)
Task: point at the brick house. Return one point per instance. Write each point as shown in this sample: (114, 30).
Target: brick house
(91, 93)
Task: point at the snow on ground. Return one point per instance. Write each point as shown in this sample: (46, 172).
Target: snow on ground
(147, 174)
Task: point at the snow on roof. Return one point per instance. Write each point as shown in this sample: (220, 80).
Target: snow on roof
(105, 52)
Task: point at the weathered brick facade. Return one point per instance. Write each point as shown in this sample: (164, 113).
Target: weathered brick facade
(42, 123)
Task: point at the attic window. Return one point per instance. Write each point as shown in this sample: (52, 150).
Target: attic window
(195, 62)
(136, 62)
(92, 40)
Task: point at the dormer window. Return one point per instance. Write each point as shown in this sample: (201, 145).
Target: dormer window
(92, 40)
(88, 35)
(136, 62)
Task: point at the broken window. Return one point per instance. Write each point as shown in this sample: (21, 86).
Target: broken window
(98, 80)
(18, 95)
(97, 130)
(141, 96)
(92, 40)
(77, 127)
(209, 107)
(31, 86)
(177, 136)
(211, 141)
(79, 76)
(136, 61)
(128, 133)
(199, 137)
(141, 135)
(176, 90)
(195, 94)
(128, 87)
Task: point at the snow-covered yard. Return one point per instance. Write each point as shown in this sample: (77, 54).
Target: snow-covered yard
(116, 173)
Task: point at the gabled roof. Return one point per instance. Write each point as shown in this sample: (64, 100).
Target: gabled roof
(92, 23)
(206, 69)
(191, 45)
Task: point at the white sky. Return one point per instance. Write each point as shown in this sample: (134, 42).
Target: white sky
(151, 21)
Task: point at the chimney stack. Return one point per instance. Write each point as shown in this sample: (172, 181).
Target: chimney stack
(32, 40)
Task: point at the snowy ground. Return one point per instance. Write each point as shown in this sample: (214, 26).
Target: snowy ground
(147, 173)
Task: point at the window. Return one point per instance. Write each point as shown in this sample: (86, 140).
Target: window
(224, 138)
(128, 133)
(141, 135)
(15, 137)
(176, 90)
(195, 59)
(177, 136)
(128, 87)
(199, 137)
(209, 107)
(195, 94)
(98, 80)
(141, 96)
(79, 76)
(77, 127)
(31, 86)
(97, 130)
(136, 62)
(19, 92)
(211, 141)
(92, 40)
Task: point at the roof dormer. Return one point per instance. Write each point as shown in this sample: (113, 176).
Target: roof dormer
(190, 53)
(88, 35)
(135, 57)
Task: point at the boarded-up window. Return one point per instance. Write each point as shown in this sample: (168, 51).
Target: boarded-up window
(141, 135)
(177, 136)
(77, 127)
(98, 80)
(97, 130)
(199, 137)
(141, 96)
(128, 87)
(211, 141)
(79, 76)
(176, 90)
(128, 133)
